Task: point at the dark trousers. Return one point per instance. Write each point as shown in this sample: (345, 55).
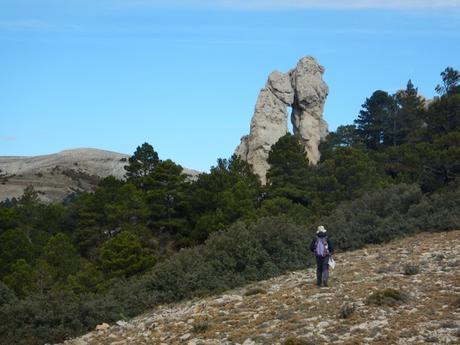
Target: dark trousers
(322, 270)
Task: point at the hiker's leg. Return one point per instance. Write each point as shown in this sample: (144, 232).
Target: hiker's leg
(319, 270)
(325, 270)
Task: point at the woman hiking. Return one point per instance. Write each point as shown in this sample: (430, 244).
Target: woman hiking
(323, 248)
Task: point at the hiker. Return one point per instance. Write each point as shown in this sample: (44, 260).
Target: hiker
(323, 248)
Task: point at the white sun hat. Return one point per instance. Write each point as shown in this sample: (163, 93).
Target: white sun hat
(320, 229)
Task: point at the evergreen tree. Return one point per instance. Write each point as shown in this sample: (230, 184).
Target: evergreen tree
(141, 163)
(7, 295)
(167, 198)
(229, 192)
(408, 120)
(88, 279)
(45, 276)
(283, 207)
(344, 136)
(9, 219)
(21, 279)
(442, 162)
(29, 198)
(450, 82)
(62, 256)
(14, 245)
(124, 256)
(289, 172)
(443, 116)
(100, 215)
(431, 165)
(376, 121)
(29, 206)
(353, 171)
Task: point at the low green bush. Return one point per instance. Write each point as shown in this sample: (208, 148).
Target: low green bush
(297, 341)
(411, 269)
(457, 303)
(388, 296)
(393, 212)
(6, 294)
(239, 255)
(200, 327)
(255, 291)
(346, 309)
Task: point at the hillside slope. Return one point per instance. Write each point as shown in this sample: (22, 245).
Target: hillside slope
(55, 176)
(290, 307)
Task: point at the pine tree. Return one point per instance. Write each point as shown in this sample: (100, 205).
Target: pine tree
(141, 163)
(409, 115)
(21, 279)
(167, 198)
(344, 136)
(14, 245)
(229, 192)
(443, 116)
(124, 256)
(450, 80)
(62, 255)
(376, 121)
(289, 172)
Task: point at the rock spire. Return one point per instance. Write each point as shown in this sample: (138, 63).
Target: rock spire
(303, 89)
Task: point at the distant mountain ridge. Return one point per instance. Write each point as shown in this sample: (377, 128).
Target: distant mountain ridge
(56, 176)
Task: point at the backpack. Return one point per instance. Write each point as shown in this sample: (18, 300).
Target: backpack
(321, 247)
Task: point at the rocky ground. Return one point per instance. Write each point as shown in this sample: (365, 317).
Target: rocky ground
(422, 308)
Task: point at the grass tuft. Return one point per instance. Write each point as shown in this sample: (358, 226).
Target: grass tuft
(388, 297)
(255, 291)
(297, 341)
(346, 309)
(411, 269)
(200, 327)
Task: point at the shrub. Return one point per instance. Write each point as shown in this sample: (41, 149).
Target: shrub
(255, 291)
(200, 327)
(396, 211)
(6, 294)
(449, 324)
(297, 341)
(411, 269)
(346, 309)
(123, 255)
(239, 255)
(457, 303)
(388, 296)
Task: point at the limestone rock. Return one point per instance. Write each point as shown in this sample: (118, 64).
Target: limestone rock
(268, 124)
(307, 114)
(102, 327)
(304, 90)
(280, 85)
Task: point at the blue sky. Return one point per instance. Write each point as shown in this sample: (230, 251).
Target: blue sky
(184, 75)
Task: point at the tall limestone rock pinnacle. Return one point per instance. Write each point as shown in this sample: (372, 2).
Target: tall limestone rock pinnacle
(303, 89)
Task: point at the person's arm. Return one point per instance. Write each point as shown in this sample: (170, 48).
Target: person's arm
(312, 245)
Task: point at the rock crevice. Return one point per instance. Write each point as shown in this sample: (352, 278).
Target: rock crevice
(301, 88)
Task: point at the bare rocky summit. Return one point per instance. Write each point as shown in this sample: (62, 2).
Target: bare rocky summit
(405, 292)
(56, 176)
(303, 89)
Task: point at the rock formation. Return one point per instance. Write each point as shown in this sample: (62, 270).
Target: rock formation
(303, 89)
